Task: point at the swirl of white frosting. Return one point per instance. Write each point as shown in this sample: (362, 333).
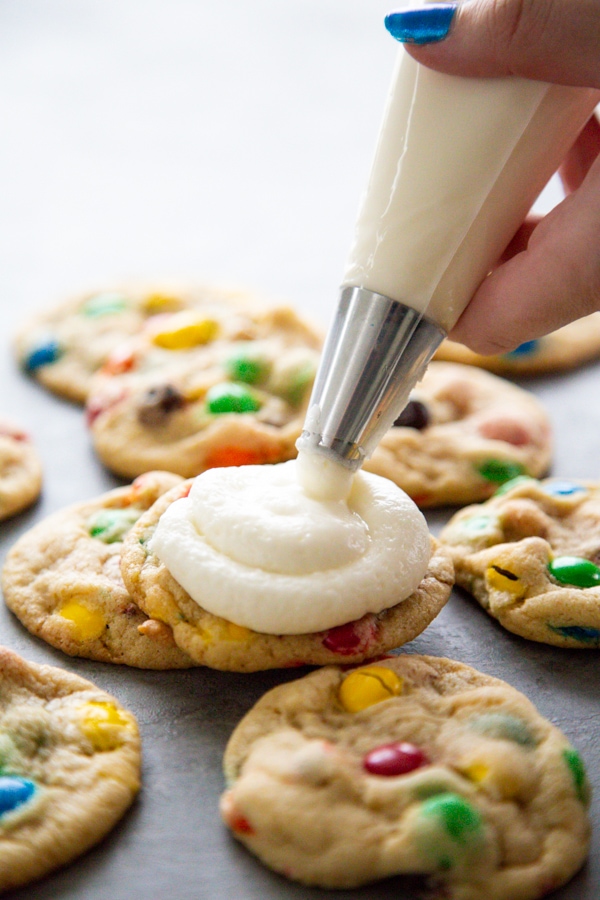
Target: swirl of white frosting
(250, 545)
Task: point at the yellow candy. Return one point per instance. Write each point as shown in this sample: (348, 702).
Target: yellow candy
(103, 725)
(207, 635)
(476, 771)
(500, 776)
(155, 303)
(503, 580)
(88, 624)
(233, 632)
(367, 686)
(186, 331)
(224, 631)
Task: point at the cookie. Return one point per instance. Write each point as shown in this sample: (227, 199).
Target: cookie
(463, 433)
(411, 765)
(568, 347)
(221, 644)
(63, 580)
(531, 557)
(226, 385)
(69, 767)
(62, 347)
(20, 470)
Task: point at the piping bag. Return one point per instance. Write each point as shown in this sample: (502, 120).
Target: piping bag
(458, 164)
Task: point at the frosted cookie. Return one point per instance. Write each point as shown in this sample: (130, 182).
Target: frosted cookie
(531, 557)
(413, 765)
(568, 347)
(69, 767)
(463, 433)
(64, 346)
(63, 580)
(218, 387)
(20, 470)
(221, 561)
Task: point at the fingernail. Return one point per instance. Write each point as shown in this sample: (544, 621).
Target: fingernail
(421, 25)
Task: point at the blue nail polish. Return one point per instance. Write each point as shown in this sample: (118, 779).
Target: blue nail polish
(421, 25)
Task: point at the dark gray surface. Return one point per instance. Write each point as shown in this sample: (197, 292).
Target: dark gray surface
(190, 138)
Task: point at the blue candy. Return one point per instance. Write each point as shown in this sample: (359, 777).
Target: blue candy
(43, 354)
(578, 633)
(14, 792)
(563, 488)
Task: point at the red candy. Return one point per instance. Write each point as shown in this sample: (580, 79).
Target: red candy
(354, 637)
(344, 639)
(13, 433)
(97, 406)
(395, 759)
(239, 456)
(241, 825)
(121, 360)
(234, 818)
(505, 429)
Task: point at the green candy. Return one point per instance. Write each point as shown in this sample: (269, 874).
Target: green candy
(301, 379)
(248, 367)
(499, 471)
(476, 524)
(111, 525)
(231, 398)
(104, 305)
(575, 571)
(577, 769)
(458, 818)
(513, 482)
(8, 752)
(293, 378)
(502, 726)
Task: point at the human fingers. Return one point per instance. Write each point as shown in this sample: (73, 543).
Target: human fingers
(554, 281)
(547, 40)
(581, 156)
(573, 171)
(521, 239)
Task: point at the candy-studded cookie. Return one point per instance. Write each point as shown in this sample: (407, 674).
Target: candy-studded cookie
(69, 767)
(531, 557)
(218, 386)
(463, 433)
(410, 765)
(222, 644)
(63, 580)
(64, 346)
(20, 470)
(568, 347)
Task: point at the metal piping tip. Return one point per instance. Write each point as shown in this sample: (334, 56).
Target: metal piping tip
(376, 351)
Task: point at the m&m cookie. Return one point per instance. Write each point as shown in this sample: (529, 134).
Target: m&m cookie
(64, 345)
(63, 580)
(69, 767)
(531, 557)
(224, 384)
(463, 433)
(20, 470)
(222, 644)
(409, 766)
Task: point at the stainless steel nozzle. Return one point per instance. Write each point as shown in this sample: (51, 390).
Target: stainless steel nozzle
(376, 351)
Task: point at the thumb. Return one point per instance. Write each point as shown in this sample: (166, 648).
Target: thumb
(546, 40)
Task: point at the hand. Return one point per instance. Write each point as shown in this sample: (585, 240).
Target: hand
(549, 274)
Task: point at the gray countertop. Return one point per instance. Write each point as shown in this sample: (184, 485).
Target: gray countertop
(230, 142)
